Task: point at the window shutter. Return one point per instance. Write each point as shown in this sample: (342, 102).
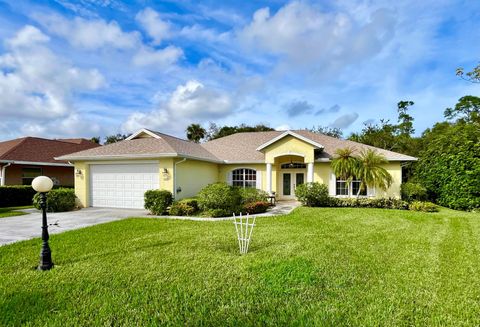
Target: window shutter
(229, 177)
(259, 179)
(332, 184)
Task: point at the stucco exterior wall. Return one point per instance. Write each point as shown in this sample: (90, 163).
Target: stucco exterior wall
(321, 172)
(82, 184)
(193, 175)
(289, 145)
(395, 169)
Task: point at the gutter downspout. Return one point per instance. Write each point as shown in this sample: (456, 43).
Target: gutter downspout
(175, 177)
(4, 168)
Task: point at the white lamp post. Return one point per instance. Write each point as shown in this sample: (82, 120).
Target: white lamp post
(43, 184)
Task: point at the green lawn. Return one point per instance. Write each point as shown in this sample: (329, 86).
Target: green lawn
(10, 212)
(335, 266)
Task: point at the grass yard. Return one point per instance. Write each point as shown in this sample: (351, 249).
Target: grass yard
(332, 266)
(10, 212)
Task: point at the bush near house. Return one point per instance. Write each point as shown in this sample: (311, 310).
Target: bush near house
(17, 195)
(219, 196)
(58, 200)
(424, 206)
(256, 207)
(250, 195)
(221, 200)
(313, 194)
(413, 192)
(157, 201)
(184, 207)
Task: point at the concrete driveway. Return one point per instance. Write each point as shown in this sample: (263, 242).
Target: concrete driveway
(19, 228)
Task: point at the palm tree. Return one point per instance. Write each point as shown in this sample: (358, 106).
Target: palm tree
(345, 164)
(370, 171)
(195, 132)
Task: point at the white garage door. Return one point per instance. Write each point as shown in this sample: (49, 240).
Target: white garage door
(122, 186)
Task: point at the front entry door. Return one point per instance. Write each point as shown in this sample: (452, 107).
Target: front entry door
(289, 184)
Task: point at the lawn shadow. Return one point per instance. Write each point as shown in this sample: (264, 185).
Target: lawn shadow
(22, 307)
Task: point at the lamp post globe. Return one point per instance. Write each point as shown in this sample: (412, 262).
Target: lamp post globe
(43, 184)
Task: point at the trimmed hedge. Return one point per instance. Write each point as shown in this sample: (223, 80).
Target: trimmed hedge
(382, 203)
(16, 195)
(58, 200)
(423, 206)
(157, 201)
(184, 207)
(256, 207)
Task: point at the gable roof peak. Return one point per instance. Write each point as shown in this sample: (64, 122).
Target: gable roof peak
(290, 133)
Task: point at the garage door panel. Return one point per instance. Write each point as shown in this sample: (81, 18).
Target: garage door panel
(122, 186)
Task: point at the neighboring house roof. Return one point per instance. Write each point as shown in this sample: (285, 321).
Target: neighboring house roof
(236, 148)
(39, 150)
(76, 141)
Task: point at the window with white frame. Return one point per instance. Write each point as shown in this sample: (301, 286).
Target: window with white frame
(244, 177)
(344, 188)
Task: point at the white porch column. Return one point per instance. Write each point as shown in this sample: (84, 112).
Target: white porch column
(269, 178)
(310, 172)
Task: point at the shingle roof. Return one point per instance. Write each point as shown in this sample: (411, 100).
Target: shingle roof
(240, 147)
(147, 147)
(35, 149)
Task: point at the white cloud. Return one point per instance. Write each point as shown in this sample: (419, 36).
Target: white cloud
(35, 84)
(157, 28)
(196, 32)
(163, 58)
(284, 127)
(27, 36)
(189, 102)
(89, 34)
(305, 36)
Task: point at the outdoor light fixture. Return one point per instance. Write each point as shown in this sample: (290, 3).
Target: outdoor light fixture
(291, 164)
(165, 174)
(43, 185)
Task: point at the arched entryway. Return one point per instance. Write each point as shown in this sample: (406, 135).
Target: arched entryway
(292, 171)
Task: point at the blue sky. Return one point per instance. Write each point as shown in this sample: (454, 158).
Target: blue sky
(97, 67)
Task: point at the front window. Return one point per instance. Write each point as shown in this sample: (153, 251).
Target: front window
(343, 188)
(244, 177)
(28, 174)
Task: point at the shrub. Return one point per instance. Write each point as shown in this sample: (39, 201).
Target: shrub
(58, 200)
(250, 195)
(184, 207)
(219, 196)
(216, 213)
(157, 201)
(413, 191)
(14, 196)
(424, 206)
(256, 207)
(312, 194)
(383, 203)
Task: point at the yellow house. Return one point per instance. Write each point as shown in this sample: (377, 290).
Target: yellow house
(117, 175)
